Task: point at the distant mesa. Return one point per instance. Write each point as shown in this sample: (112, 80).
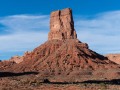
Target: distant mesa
(114, 57)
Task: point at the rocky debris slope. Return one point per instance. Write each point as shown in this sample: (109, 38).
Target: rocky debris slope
(5, 64)
(114, 57)
(63, 57)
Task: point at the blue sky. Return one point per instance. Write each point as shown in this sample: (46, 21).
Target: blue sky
(83, 7)
(24, 24)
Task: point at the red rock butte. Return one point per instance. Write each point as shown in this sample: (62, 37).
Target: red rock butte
(62, 25)
(62, 56)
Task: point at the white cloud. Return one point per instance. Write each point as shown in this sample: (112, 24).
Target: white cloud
(101, 32)
(20, 23)
(25, 32)
(21, 41)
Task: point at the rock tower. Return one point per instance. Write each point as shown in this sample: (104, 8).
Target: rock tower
(62, 25)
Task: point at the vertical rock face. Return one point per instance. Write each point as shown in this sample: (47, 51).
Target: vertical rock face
(62, 25)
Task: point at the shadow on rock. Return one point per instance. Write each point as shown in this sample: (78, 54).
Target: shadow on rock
(110, 82)
(10, 74)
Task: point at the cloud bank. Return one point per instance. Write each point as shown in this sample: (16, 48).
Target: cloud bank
(101, 32)
(20, 33)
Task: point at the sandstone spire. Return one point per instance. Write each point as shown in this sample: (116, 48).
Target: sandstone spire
(62, 25)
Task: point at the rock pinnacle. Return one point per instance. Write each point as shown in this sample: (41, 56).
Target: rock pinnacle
(62, 25)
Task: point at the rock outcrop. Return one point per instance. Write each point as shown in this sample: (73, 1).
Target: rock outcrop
(62, 25)
(16, 59)
(114, 57)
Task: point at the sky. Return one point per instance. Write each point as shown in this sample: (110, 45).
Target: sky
(24, 24)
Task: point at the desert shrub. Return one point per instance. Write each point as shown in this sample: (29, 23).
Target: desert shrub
(103, 86)
(46, 81)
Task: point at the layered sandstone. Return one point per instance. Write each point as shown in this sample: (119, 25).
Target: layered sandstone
(62, 25)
